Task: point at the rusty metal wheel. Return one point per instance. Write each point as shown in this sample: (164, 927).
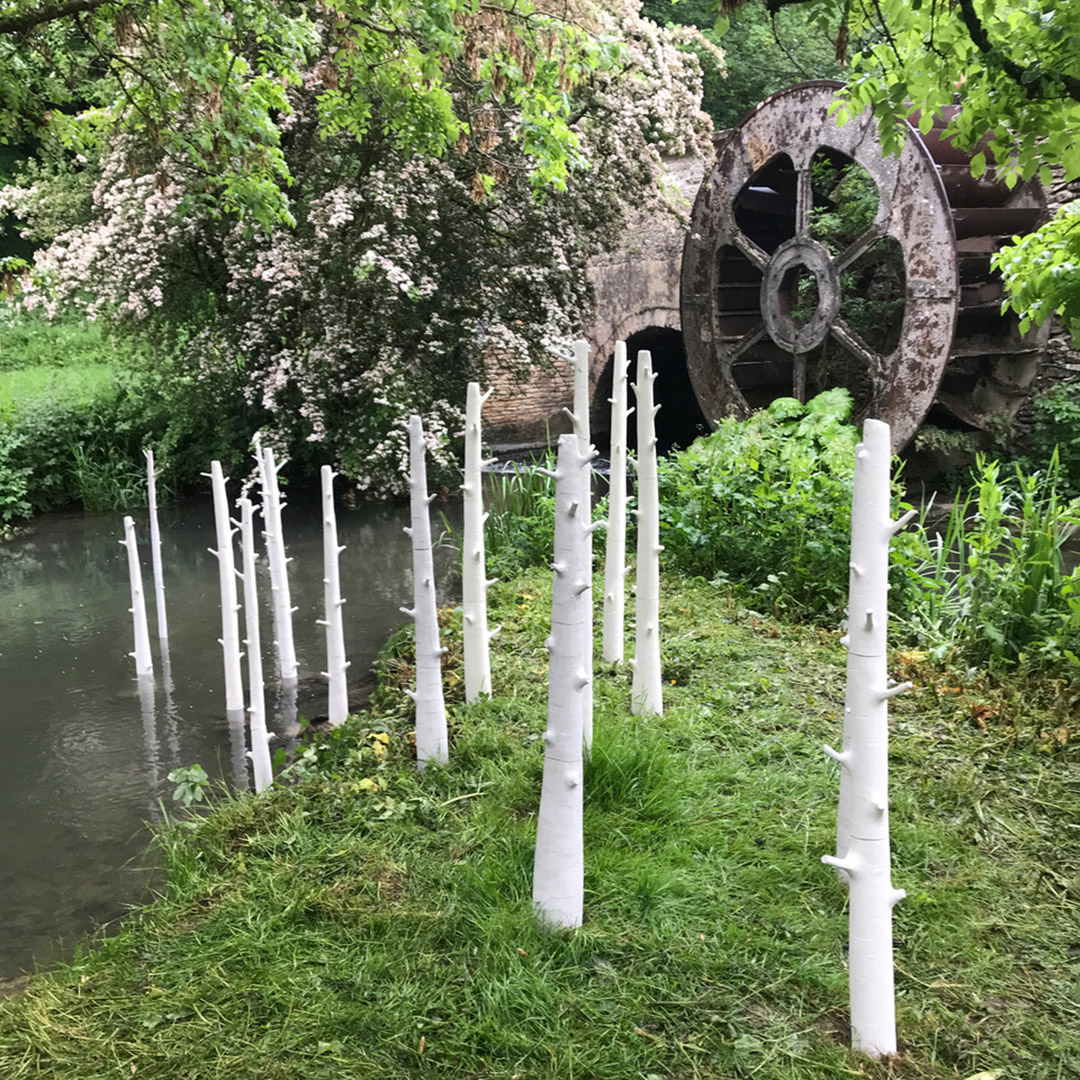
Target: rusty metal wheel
(813, 260)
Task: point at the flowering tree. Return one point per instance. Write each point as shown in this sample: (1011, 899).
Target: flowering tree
(410, 257)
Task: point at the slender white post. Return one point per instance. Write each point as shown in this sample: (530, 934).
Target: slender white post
(615, 551)
(147, 691)
(474, 581)
(155, 547)
(863, 820)
(559, 866)
(336, 664)
(580, 418)
(230, 634)
(275, 554)
(431, 737)
(144, 662)
(260, 740)
(647, 693)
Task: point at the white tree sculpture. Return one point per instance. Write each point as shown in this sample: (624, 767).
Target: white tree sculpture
(155, 547)
(144, 662)
(615, 550)
(474, 580)
(431, 738)
(336, 664)
(559, 866)
(646, 695)
(582, 428)
(260, 740)
(278, 561)
(230, 633)
(863, 820)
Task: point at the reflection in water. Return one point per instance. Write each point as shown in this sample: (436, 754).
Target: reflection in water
(88, 748)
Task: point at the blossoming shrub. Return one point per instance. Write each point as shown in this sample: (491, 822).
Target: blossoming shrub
(402, 272)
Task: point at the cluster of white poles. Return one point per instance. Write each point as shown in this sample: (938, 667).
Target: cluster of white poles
(862, 855)
(226, 529)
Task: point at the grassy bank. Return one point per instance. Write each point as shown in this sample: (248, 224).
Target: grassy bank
(368, 922)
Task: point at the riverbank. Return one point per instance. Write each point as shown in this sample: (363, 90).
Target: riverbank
(370, 922)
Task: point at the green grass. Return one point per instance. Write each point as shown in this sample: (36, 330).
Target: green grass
(72, 385)
(331, 930)
(28, 340)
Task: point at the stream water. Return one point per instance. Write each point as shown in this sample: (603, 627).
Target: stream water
(84, 756)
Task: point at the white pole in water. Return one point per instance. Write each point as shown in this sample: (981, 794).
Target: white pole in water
(144, 663)
(862, 854)
(336, 663)
(646, 696)
(155, 547)
(279, 563)
(580, 418)
(431, 738)
(230, 634)
(260, 740)
(615, 551)
(559, 866)
(474, 581)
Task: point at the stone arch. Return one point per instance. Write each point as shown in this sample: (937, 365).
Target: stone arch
(603, 351)
(659, 330)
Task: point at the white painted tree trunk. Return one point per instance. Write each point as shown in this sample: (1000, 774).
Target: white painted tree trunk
(155, 547)
(260, 740)
(582, 428)
(615, 550)
(279, 563)
(336, 664)
(559, 866)
(863, 819)
(144, 662)
(230, 634)
(646, 695)
(431, 738)
(474, 581)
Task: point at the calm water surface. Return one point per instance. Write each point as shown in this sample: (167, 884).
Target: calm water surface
(84, 755)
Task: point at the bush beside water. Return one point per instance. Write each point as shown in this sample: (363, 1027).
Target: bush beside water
(76, 410)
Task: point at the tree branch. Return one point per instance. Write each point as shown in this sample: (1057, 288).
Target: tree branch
(1040, 89)
(17, 24)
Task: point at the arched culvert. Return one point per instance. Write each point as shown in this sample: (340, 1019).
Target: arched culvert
(680, 420)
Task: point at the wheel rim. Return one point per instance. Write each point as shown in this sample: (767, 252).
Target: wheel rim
(722, 339)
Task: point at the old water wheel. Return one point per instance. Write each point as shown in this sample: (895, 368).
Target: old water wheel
(814, 260)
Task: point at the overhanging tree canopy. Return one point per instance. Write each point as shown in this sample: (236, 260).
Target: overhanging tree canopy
(203, 83)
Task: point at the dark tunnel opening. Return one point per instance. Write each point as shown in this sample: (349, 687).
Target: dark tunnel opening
(680, 420)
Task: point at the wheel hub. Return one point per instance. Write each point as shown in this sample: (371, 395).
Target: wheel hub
(794, 321)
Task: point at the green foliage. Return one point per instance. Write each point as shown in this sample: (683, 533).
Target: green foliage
(28, 340)
(763, 52)
(191, 784)
(766, 503)
(1057, 429)
(1041, 272)
(989, 587)
(205, 86)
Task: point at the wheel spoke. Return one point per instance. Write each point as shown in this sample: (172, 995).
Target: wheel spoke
(857, 247)
(737, 346)
(851, 341)
(804, 202)
(750, 249)
(798, 377)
